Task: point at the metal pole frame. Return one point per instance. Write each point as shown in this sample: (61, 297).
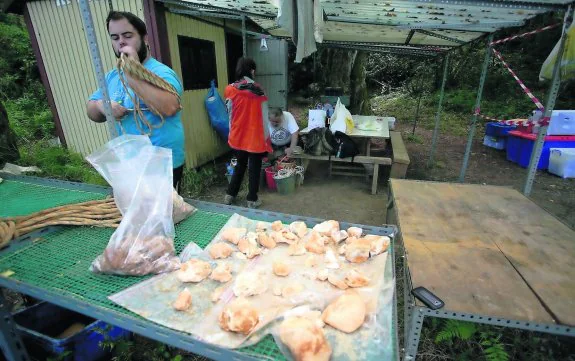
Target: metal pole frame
(438, 113)
(553, 92)
(415, 314)
(10, 340)
(98, 67)
(244, 37)
(475, 111)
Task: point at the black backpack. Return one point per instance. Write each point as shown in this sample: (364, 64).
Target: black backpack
(319, 141)
(346, 147)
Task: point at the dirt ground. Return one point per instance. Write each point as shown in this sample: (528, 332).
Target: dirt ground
(349, 198)
(343, 198)
(489, 166)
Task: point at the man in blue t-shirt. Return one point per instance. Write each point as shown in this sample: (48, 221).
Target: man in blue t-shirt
(129, 36)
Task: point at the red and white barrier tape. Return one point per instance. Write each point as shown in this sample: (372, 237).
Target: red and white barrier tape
(524, 34)
(525, 89)
(541, 122)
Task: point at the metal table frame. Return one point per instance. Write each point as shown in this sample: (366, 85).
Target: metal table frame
(414, 314)
(10, 340)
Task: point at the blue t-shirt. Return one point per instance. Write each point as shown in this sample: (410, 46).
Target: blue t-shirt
(171, 134)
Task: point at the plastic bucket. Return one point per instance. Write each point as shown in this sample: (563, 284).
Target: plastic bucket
(286, 185)
(271, 183)
(263, 181)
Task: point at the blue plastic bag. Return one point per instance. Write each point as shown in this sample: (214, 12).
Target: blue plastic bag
(217, 112)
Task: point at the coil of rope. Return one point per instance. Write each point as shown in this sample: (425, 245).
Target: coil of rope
(136, 70)
(100, 213)
(288, 172)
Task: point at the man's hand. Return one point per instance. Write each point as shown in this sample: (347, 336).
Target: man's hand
(289, 152)
(118, 111)
(130, 52)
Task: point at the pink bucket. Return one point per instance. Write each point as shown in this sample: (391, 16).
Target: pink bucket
(271, 183)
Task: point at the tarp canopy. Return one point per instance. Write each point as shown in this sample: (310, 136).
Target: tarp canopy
(398, 26)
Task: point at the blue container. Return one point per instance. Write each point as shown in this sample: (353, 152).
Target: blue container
(520, 146)
(41, 327)
(497, 129)
(494, 142)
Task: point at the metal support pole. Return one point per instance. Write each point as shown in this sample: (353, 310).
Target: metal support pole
(98, 67)
(10, 340)
(475, 111)
(244, 40)
(553, 91)
(438, 114)
(415, 325)
(407, 305)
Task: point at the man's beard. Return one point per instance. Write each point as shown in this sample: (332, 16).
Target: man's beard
(142, 52)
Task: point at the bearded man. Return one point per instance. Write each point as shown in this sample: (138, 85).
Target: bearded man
(129, 36)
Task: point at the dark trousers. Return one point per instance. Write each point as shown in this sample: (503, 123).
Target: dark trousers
(252, 161)
(177, 177)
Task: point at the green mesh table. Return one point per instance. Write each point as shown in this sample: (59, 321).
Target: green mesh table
(52, 264)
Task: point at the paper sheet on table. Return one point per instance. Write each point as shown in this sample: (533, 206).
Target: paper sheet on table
(152, 298)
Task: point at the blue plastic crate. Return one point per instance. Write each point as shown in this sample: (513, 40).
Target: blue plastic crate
(42, 325)
(520, 146)
(498, 130)
(494, 142)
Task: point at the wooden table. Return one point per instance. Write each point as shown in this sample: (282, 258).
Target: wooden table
(358, 133)
(490, 253)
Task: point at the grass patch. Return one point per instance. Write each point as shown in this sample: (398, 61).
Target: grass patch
(454, 119)
(58, 162)
(30, 119)
(414, 138)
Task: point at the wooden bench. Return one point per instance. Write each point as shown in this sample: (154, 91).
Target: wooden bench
(400, 156)
(360, 159)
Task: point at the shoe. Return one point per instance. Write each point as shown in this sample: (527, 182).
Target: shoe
(254, 204)
(228, 200)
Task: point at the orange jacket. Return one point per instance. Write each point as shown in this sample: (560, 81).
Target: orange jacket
(247, 107)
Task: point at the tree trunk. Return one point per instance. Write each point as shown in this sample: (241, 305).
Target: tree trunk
(8, 147)
(335, 67)
(359, 102)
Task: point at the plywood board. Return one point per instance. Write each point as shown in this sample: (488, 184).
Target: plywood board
(475, 242)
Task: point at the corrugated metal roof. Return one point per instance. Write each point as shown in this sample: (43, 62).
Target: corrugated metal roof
(433, 24)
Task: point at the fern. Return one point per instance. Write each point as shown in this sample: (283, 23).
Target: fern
(456, 330)
(493, 349)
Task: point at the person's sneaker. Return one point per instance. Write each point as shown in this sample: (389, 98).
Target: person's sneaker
(228, 200)
(254, 204)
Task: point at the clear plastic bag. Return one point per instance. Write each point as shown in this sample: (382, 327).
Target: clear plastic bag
(141, 177)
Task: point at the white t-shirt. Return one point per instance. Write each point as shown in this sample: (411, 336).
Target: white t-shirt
(281, 135)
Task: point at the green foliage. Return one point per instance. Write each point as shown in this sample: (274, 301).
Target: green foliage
(18, 68)
(61, 357)
(58, 162)
(488, 341)
(401, 106)
(453, 329)
(414, 138)
(196, 182)
(141, 348)
(30, 119)
(493, 350)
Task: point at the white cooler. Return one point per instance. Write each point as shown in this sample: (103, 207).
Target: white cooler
(562, 162)
(562, 122)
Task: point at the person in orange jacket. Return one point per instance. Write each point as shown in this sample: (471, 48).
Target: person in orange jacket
(249, 130)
